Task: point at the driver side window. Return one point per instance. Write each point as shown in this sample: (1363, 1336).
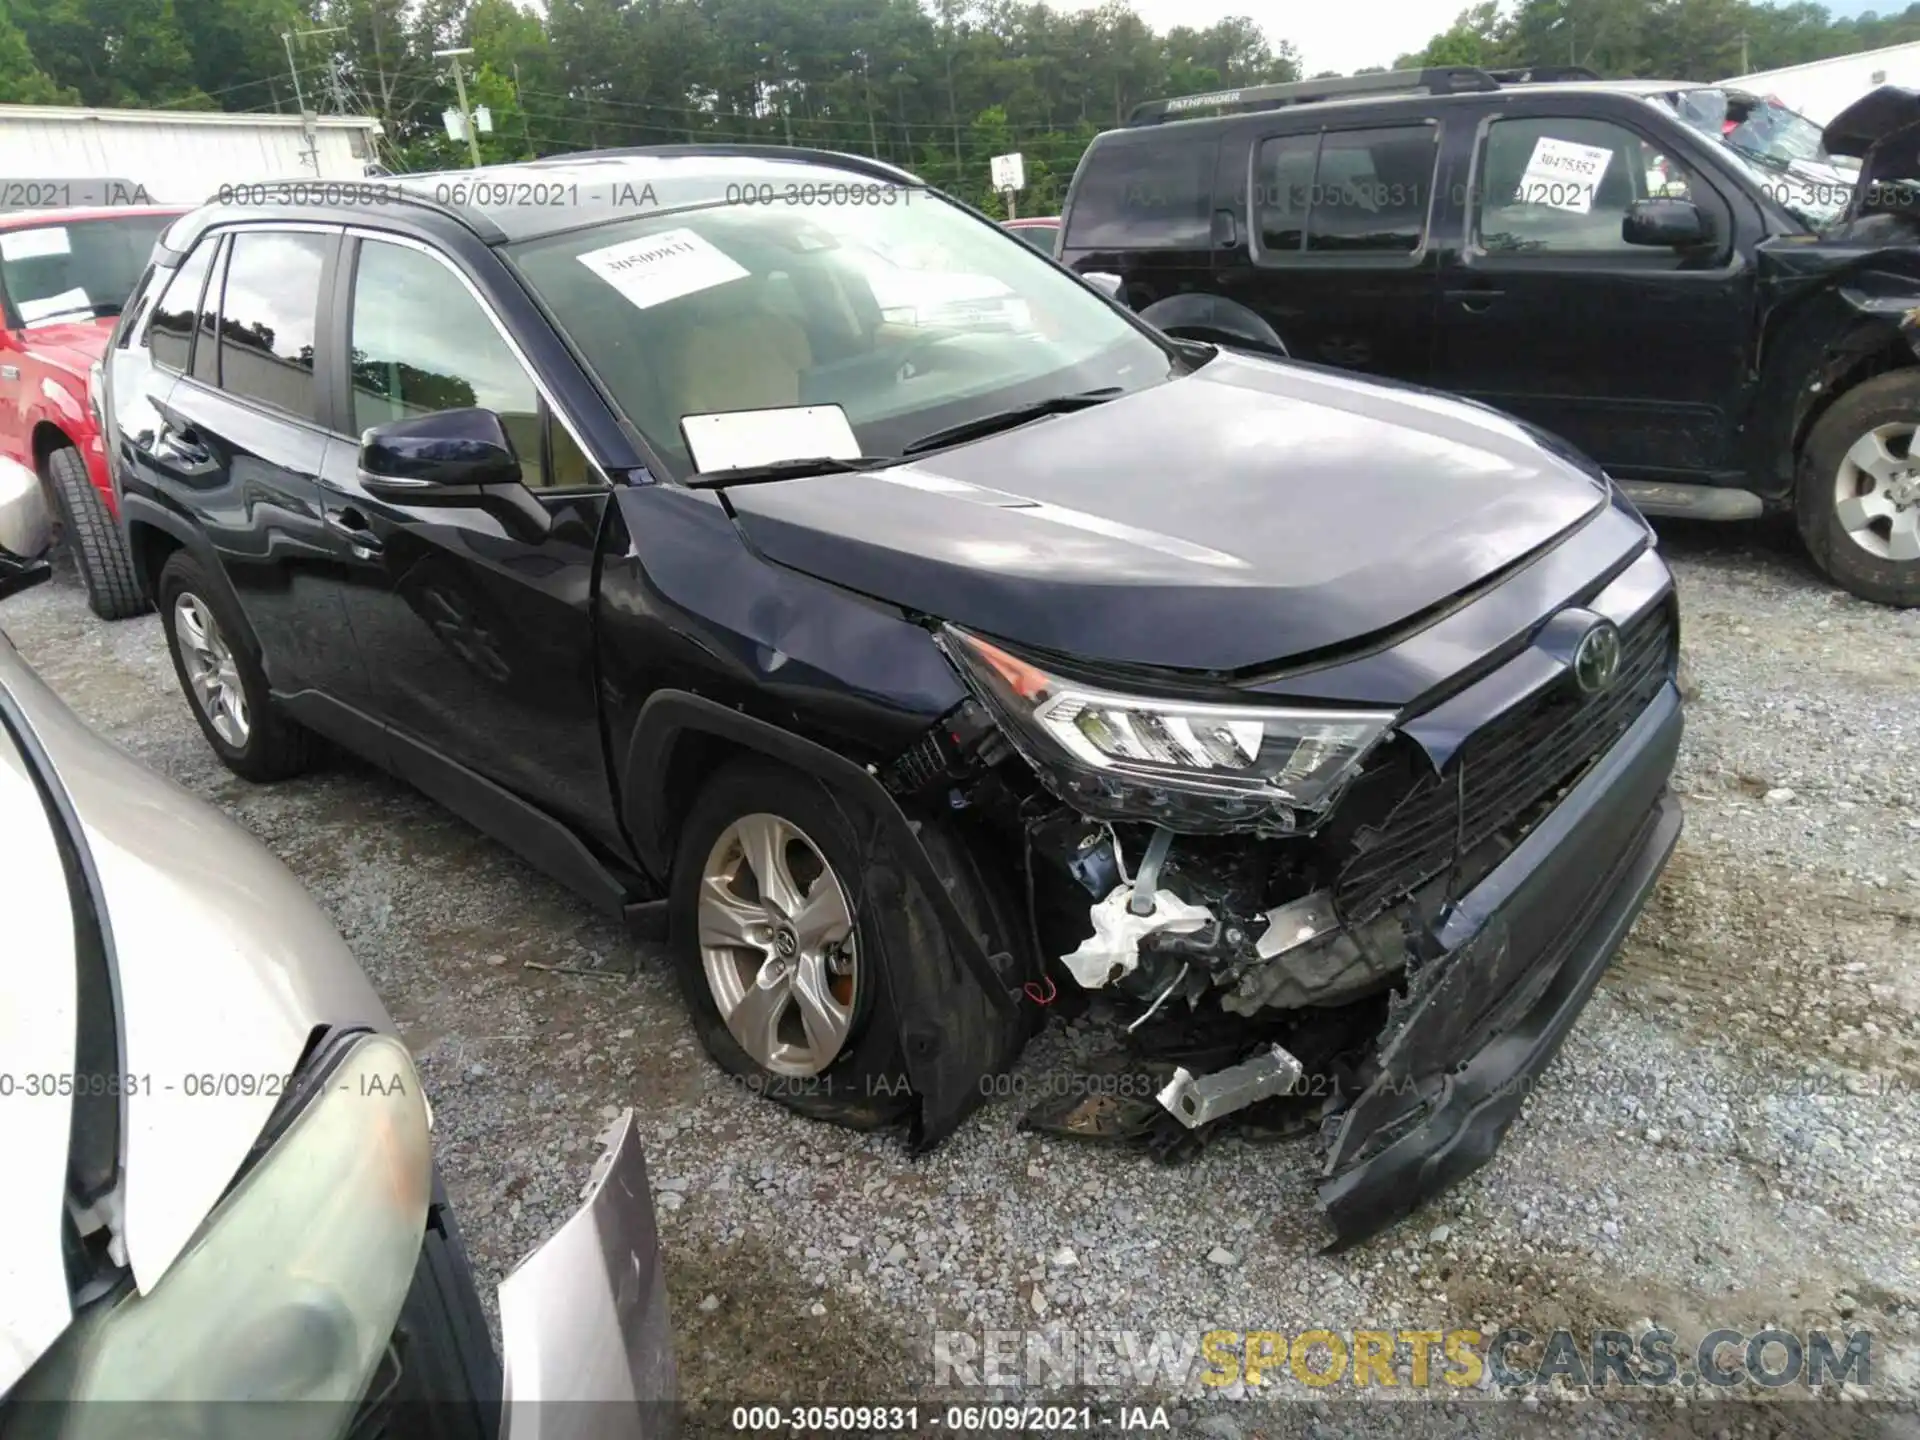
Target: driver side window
(1562, 185)
(420, 343)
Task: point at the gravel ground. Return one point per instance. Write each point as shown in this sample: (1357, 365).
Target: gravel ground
(1730, 1138)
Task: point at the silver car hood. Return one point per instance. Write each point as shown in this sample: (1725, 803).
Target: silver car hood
(223, 968)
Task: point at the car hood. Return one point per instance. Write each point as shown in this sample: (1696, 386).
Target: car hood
(70, 347)
(1248, 512)
(223, 967)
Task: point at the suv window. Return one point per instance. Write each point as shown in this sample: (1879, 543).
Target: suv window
(172, 329)
(421, 343)
(1346, 190)
(1556, 185)
(1149, 191)
(267, 316)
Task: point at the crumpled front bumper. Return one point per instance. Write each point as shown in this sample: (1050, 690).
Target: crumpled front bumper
(1522, 952)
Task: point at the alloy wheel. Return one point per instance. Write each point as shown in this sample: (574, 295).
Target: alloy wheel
(777, 945)
(1876, 493)
(212, 676)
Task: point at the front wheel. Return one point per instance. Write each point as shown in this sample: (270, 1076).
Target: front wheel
(777, 951)
(1857, 495)
(99, 547)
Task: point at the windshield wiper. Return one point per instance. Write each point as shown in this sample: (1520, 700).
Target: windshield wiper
(95, 308)
(798, 468)
(1007, 419)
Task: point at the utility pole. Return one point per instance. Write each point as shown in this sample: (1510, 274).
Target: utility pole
(460, 88)
(525, 129)
(1745, 65)
(873, 135)
(312, 152)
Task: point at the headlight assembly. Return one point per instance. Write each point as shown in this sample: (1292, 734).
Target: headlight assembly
(291, 1290)
(1185, 764)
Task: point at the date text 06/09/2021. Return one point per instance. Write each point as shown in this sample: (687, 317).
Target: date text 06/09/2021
(960, 1419)
(208, 1084)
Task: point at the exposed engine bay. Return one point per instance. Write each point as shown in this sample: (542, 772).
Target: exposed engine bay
(1259, 971)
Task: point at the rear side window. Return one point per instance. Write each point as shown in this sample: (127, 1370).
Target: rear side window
(1346, 191)
(172, 329)
(267, 317)
(1145, 191)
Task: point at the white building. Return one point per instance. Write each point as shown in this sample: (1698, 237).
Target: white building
(1821, 89)
(180, 156)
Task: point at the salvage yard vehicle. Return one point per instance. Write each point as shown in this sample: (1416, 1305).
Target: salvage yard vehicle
(1683, 281)
(221, 1184)
(1039, 231)
(64, 274)
(918, 677)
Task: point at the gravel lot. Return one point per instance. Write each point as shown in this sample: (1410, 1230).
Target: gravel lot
(1730, 1139)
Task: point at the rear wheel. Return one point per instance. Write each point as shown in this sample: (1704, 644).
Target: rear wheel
(223, 682)
(1857, 497)
(99, 547)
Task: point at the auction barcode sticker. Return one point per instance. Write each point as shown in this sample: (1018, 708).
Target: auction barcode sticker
(1563, 174)
(663, 267)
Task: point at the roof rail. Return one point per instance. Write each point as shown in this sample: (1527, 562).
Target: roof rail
(863, 164)
(1433, 80)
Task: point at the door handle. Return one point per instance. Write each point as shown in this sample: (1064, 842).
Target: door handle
(182, 447)
(1475, 302)
(348, 521)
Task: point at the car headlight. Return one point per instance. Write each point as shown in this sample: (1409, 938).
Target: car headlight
(1186, 764)
(291, 1289)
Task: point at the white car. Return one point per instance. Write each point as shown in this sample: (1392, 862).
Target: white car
(220, 1181)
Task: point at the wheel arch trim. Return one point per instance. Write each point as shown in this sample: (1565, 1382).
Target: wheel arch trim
(137, 512)
(668, 715)
(1197, 310)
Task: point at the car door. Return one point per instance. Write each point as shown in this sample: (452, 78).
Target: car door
(476, 625)
(1637, 355)
(1336, 254)
(237, 444)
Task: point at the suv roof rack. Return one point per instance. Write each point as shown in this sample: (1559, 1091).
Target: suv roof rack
(1433, 80)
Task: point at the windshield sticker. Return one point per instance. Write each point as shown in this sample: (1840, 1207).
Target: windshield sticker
(32, 244)
(66, 302)
(1563, 174)
(662, 267)
(736, 439)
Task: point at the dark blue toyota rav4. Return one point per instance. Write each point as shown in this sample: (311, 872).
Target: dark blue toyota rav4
(795, 563)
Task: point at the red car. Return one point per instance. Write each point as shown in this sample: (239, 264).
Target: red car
(1039, 231)
(64, 274)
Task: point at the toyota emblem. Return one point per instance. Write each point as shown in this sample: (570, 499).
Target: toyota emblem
(1597, 660)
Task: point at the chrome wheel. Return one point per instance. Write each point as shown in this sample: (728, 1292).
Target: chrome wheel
(777, 945)
(212, 676)
(1876, 493)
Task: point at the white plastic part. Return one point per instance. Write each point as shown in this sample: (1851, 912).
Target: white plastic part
(1113, 950)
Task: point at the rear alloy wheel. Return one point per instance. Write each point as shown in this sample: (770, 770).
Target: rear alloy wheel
(777, 945)
(222, 680)
(1858, 495)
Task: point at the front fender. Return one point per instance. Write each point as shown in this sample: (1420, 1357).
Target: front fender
(1214, 317)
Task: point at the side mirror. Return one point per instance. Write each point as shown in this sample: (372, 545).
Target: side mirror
(1664, 222)
(453, 458)
(447, 450)
(1107, 284)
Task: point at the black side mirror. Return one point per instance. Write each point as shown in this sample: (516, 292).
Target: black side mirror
(449, 449)
(1665, 222)
(455, 458)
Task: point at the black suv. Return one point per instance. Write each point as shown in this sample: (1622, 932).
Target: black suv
(765, 545)
(1681, 280)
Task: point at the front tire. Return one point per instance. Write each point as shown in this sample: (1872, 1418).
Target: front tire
(1857, 495)
(222, 680)
(99, 547)
(776, 948)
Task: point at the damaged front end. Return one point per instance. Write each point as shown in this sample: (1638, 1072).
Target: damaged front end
(1361, 924)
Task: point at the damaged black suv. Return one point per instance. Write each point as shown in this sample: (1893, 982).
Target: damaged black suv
(762, 543)
(1684, 281)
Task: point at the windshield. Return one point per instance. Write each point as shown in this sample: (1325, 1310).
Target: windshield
(76, 269)
(911, 316)
(1780, 150)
